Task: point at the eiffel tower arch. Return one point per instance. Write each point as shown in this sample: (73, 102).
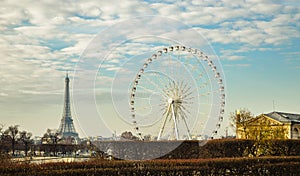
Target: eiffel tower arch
(66, 129)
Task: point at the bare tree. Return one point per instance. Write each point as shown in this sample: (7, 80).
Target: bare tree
(12, 133)
(51, 137)
(1, 132)
(1, 138)
(239, 119)
(127, 135)
(25, 137)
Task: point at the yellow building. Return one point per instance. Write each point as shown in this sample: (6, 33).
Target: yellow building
(274, 125)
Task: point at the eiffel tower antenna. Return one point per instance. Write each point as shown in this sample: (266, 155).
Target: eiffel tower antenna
(66, 128)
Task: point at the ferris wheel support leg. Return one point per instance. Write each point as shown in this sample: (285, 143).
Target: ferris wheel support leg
(188, 130)
(162, 128)
(175, 123)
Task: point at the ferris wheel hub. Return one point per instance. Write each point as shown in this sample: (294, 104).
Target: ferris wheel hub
(170, 101)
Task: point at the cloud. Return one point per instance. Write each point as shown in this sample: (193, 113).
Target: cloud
(40, 92)
(3, 94)
(237, 65)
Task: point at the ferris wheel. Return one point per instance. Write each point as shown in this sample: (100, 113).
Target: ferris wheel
(177, 94)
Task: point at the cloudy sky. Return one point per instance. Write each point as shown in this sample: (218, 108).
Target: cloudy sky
(257, 43)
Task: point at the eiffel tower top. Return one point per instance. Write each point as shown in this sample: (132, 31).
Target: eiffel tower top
(66, 128)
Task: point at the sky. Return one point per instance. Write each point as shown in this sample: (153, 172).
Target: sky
(256, 46)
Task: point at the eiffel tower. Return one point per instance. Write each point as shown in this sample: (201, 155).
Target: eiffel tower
(66, 129)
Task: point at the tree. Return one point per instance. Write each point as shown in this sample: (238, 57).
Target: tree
(68, 140)
(25, 137)
(1, 131)
(1, 140)
(239, 120)
(127, 135)
(12, 133)
(51, 137)
(1, 135)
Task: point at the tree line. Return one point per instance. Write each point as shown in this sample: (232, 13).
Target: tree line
(15, 142)
(12, 138)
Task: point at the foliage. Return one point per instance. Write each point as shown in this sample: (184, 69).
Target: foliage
(240, 117)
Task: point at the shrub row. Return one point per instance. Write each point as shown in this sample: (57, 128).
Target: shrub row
(139, 150)
(218, 166)
(234, 148)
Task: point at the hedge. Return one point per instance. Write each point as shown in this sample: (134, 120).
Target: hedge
(234, 148)
(214, 157)
(218, 166)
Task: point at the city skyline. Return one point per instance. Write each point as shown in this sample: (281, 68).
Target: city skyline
(257, 43)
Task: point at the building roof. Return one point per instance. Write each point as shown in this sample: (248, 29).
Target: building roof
(284, 117)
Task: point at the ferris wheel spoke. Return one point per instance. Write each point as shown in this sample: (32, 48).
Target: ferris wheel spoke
(203, 85)
(168, 89)
(161, 82)
(167, 110)
(171, 68)
(179, 62)
(199, 88)
(146, 107)
(205, 94)
(146, 89)
(182, 112)
(156, 86)
(138, 96)
(186, 88)
(165, 116)
(187, 95)
(181, 86)
(188, 102)
(202, 113)
(199, 77)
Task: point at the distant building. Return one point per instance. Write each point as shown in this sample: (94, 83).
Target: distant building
(274, 125)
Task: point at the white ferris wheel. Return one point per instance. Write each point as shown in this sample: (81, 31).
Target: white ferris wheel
(177, 94)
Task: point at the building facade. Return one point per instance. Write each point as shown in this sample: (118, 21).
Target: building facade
(274, 125)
